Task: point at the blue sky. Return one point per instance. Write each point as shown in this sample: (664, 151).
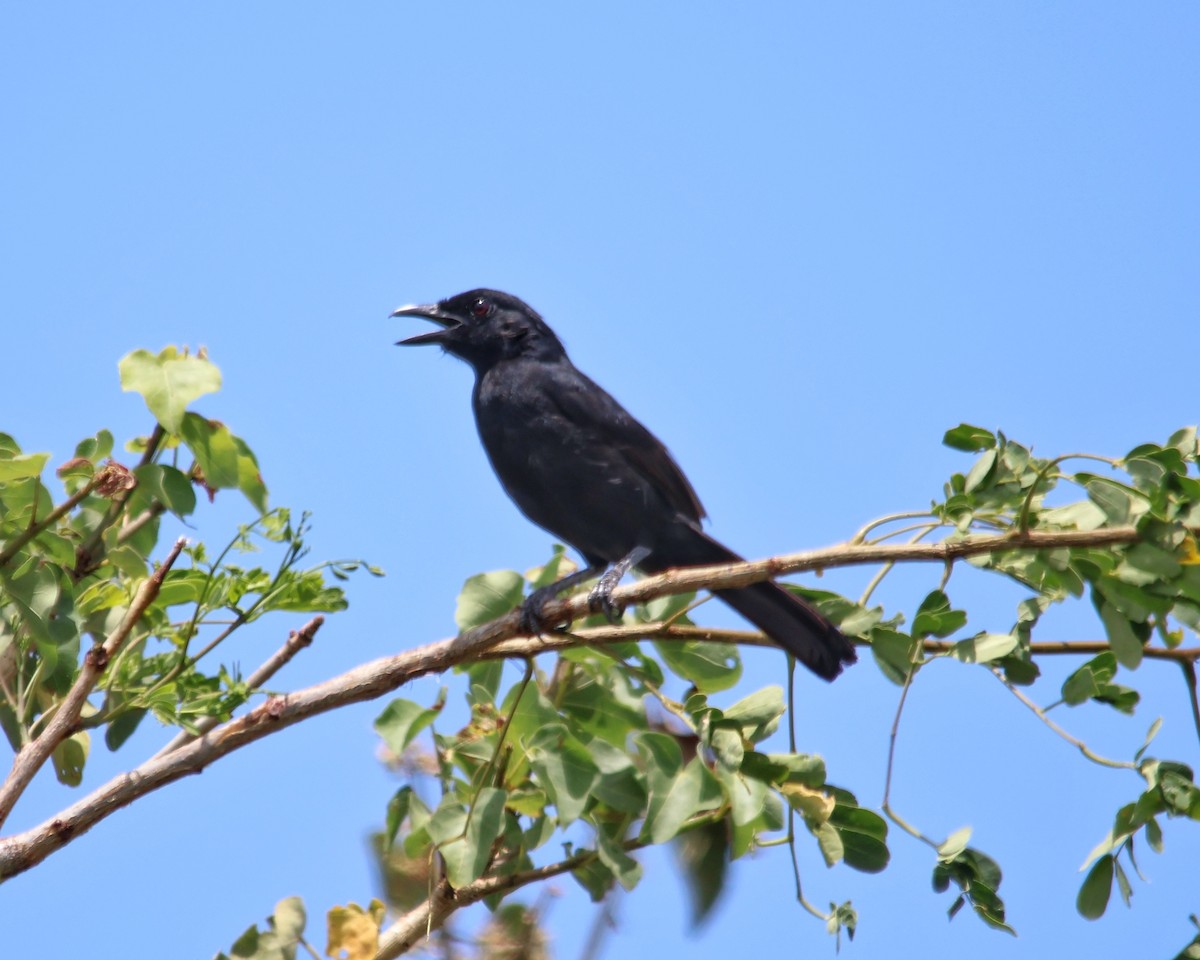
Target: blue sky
(798, 240)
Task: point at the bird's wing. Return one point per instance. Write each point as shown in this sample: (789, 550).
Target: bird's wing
(585, 404)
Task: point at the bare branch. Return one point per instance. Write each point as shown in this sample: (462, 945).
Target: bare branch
(297, 640)
(33, 755)
(1074, 741)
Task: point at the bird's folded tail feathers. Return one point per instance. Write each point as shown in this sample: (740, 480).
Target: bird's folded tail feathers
(785, 618)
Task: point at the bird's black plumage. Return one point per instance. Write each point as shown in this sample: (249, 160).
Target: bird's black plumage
(579, 465)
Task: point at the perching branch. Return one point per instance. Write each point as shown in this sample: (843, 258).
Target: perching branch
(370, 680)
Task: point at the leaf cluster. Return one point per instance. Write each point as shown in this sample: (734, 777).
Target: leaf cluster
(69, 571)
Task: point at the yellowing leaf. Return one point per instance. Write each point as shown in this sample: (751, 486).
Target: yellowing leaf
(815, 806)
(1189, 554)
(354, 932)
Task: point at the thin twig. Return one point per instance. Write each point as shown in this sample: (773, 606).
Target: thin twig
(34, 754)
(861, 536)
(891, 759)
(1189, 675)
(156, 509)
(16, 543)
(1074, 741)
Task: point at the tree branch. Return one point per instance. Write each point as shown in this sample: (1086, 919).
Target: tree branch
(297, 640)
(622, 633)
(415, 925)
(370, 680)
(33, 755)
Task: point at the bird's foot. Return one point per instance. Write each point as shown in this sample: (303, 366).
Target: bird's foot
(600, 599)
(533, 618)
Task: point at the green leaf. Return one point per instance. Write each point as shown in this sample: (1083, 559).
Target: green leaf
(397, 810)
(1091, 682)
(1154, 836)
(1086, 682)
(894, 652)
(1123, 885)
(467, 857)
(758, 714)
(168, 382)
(704, 856)
(675, 790)
(985, 647)
(1125, 643)
(935, 617)
(805, 768)
(69, 758)
(595, 878)
(980, 471)
(1150, 735)
(250, 481)
(558, 566)
(727, 745)
(22, 467)
(95, 448)
(969, 438)
(1097, 888)
(565, 769)
(214, 449)
(1157, 563)
(402, 720)
(710, 667)
(169, 486)
(619, 784)
(486, 596)
(1112, 498)
(485, 677)
(693, 792)
(182, 586)
(626, 870)
(864, 837)
(123, 727)
(829, 840)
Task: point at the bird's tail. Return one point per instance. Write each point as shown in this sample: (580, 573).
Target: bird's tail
(787, 620)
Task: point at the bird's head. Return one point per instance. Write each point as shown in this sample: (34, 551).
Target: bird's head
(485, 327)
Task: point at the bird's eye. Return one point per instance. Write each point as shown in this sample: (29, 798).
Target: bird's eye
(481, 308)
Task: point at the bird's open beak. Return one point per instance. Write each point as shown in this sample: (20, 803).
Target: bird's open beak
(430, 311)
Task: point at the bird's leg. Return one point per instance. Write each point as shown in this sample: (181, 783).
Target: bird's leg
(600, 598)
(532, 621)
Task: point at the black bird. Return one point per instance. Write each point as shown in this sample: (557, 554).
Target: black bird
(579, 465)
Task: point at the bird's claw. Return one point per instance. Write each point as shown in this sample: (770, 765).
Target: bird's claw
(533, 616)
(600, 599)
